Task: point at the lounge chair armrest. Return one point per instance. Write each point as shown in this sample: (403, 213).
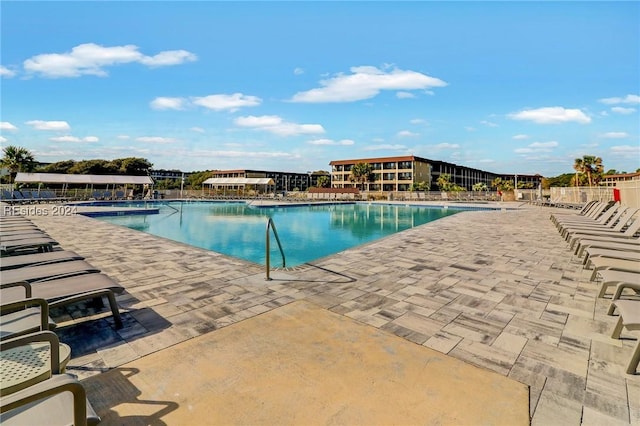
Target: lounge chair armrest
(56, 385)
(620, 288)
(67, 275)
(79, 297)
(25, 284)
(39, 336)
(25, 303)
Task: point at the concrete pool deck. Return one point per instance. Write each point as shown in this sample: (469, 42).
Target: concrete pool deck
(496, 289)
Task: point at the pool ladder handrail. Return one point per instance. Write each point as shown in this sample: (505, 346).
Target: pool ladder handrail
(272, 225)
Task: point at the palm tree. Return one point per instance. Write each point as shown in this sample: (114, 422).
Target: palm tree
(578, 166)
(361, 173)
(480, 186)
(444, 182)
(17, 159)
(323, 181)
(589, 165)
(596, 172)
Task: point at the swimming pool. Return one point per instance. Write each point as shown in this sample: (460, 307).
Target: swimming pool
(306, 232)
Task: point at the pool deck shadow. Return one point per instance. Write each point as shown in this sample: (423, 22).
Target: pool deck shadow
(495, 289)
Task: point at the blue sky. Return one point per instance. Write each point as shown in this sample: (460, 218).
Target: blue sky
(508, 87)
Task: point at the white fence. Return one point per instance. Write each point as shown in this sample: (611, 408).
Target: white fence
(629, 194)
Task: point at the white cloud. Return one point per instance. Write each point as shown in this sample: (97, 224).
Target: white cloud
(486, 161)
(623, 110)
(197, 129)
(227, 102)
(629, 99)
(5, 125)
(520, 137)
(544, 145)
(405, 95)
(124, 137)
(470, 129)
(488, 123)
(6, 72)
(92, 59)
(406, 134)
(168, 58)
(614, 135)
(344, 142)
(155, 139)
(275, 124)
(537, 147)
(49, 125)
(446, 146)
(366, 82)
(385, 147)
(625, 149)
(551, 115)
(3, 139)
(163, 103)
(418, 121)
(70, 138)
(235, 154)
(298, 71)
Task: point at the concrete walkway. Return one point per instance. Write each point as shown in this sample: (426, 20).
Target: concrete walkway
(497, 289)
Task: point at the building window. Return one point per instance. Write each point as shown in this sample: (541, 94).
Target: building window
(389, 166)
(389, 176)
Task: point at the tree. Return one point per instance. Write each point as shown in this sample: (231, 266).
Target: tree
(92, 167)
(444, 182)
(480, 186)
(589, 165)
(502, 185)
(323, 181)
(59, 167)
(420, 186)
(133, 166)
(361, 173)
(17, 159)
(194, 180)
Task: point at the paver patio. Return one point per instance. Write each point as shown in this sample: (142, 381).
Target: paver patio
(497, 289)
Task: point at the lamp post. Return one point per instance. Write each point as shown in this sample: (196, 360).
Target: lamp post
(182, 186)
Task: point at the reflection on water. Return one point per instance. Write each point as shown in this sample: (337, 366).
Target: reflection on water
(306, 232)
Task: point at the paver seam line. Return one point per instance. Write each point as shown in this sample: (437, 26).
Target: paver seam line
(629, 407)
(586, 379)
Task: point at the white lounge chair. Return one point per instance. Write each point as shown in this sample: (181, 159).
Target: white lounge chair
(629, 319)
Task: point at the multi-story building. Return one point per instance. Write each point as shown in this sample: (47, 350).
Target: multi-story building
(400, 173)
(612, 180)
(162, 174)
(284, 181)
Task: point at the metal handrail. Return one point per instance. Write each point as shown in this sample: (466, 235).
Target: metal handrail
(272, 225)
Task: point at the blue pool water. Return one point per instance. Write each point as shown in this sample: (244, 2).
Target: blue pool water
(306, 232)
